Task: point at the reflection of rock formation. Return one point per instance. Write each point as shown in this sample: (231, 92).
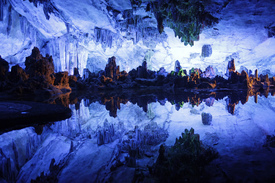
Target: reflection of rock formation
(206, 118)
(142, 98)
(209, 101)
(270, 141)
(135, 146)
(65, 100)
(139, 142)
(112, 104)
(15, 152)
(185, 160)
(105, 134)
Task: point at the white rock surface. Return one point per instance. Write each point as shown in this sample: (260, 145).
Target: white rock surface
(69, 35)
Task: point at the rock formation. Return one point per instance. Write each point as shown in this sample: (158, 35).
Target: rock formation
(111, 73)
(206, 118)
(230, 68)
(209, 73)
(206, 50)
(142, 71)
(39, 66)
(38, 79)
(4, 68)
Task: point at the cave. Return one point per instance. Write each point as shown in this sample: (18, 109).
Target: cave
(137, 91)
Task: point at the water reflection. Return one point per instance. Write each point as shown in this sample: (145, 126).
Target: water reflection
(112, 136)
(142, 98)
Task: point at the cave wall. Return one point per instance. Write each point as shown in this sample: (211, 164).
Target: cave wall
(85, 34)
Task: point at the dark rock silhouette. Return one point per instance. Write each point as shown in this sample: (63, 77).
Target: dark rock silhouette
(177, 66)
(185, 160)
(62, 79)
(230, 67)
(112, 73)
(4, 69)
(37, 80)
(18, 74)
(39, 66)
(142, 71)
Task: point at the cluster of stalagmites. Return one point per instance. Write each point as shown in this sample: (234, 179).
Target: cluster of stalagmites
(38, 78)
(248, 80)
(112, 78)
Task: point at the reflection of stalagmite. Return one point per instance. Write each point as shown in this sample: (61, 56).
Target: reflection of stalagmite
(245, 97)
(150, 112)
(143, 98)
(195, 100)
(256, 74)
(105, 134)
(209, 101)
(266, 92)
(112, 104)
(141, 141)
(230, 106)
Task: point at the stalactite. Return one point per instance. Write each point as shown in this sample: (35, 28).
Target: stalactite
(104, 37)
(2, 3)
(22, 25)
(9, 20)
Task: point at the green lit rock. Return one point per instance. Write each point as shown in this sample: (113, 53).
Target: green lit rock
(186, 18)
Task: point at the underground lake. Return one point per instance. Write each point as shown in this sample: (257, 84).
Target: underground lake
(137, 91)
(116, 138)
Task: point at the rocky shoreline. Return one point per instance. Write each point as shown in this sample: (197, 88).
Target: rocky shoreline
(19, 114)
(39, 79)
(39, 82)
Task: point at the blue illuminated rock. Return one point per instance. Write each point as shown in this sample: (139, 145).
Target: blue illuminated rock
(206, 50)
(206, 118)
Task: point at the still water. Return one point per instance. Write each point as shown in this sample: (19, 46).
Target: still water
(89, 146)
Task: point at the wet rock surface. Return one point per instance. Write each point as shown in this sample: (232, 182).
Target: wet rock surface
(15, 114)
